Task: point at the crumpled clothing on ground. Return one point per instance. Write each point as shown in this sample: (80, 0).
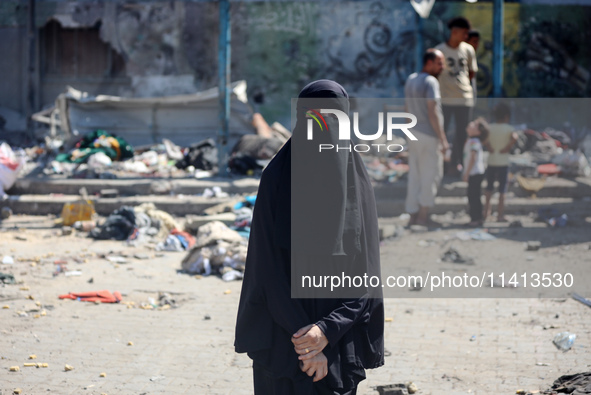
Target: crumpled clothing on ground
(114, 147)
(119, 225)
(177, 240)
(213, 231)
(167, 221)
(94, 296)
(575, 384)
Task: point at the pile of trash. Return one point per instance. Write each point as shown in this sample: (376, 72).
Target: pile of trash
(218, 250)
(140, 224)
(104, 155)
(216, 243)
(222, 239)
(550, 152)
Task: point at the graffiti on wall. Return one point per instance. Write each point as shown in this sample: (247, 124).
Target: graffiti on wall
(385, 54)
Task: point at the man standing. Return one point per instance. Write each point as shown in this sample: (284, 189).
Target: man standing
(456, 89)
(474, 40)
(425, 155)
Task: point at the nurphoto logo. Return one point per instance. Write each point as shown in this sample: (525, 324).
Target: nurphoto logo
(344, 131)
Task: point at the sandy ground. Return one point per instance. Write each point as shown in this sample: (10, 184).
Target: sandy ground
(496, 343)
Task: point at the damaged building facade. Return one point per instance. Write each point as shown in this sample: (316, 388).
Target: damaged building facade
(151, 49)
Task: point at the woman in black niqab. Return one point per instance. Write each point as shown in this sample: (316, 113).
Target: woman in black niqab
(313, 210)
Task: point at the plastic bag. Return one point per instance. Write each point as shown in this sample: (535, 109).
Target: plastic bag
(573, 163)
(10, 166)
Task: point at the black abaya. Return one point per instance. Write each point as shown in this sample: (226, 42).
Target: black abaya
(268, 316)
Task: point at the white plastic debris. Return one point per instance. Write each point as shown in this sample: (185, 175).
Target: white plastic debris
(8, 260)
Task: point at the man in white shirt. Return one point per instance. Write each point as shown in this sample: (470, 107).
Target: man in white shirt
(457, 95)
(425, 155)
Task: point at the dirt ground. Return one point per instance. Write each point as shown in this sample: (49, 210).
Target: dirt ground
(495, 343)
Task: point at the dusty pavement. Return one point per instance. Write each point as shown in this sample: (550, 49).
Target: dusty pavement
(444, 346)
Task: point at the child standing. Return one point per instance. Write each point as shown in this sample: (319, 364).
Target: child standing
(501, 140)
(477, 131)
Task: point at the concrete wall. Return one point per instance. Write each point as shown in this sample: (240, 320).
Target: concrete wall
(12, 47)
(277, 47)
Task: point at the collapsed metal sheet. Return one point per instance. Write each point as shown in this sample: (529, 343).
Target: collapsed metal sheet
(184, 119)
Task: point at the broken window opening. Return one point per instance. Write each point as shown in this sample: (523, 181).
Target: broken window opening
(78, 52)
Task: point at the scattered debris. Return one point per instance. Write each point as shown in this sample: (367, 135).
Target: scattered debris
(426, 243)
(67, 368)
(564, 340)
(531, 185)
(231, 274)
(84, 226)
(533, 245)
(8, 260)
(452, 255)
(552, 217)
(418, 229)
(5, 213)
(476, 234)
(176, 241)
(579, 384)
(82, 210)
(119, 225)
(216, 247)
(7, 278)
(516, 224)
(10, 166)
(394, 389)
(558, 222)
(99, 296)
(412, 387)
(581, 299)
(214, 192)
(116, 259)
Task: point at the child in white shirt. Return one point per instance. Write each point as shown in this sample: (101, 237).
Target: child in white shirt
(478, 132)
